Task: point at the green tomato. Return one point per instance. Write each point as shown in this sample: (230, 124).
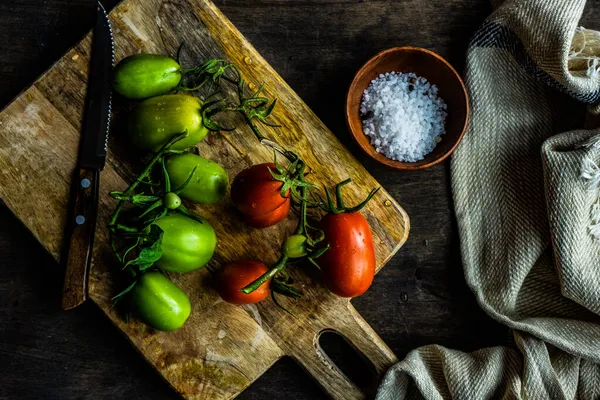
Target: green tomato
(159, 302)
(146, 75)
(187, 244)
(155, 121)
(295, 246)
(172, 201)
(210, 180)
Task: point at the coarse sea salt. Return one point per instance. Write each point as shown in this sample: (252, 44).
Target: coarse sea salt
(403, 116)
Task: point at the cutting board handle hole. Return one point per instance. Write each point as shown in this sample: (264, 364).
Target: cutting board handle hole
(350, 360)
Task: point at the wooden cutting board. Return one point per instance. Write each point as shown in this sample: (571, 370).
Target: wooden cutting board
(222, 348)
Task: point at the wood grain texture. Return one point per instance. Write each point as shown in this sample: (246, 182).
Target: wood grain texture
(419, 298)
(222, 348)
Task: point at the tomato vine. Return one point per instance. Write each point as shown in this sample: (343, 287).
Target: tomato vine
(136, 239)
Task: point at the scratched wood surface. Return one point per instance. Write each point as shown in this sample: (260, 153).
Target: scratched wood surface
(222, 348)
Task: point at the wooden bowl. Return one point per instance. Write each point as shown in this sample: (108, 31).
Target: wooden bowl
(437, 71)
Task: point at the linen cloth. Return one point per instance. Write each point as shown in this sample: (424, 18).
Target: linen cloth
(526, 202)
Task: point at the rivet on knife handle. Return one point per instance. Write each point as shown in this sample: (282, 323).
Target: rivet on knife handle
(82, 228)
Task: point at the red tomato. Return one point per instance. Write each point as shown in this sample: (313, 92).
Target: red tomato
(233, 277)
(269, 219)
(348, 267)
(257, 196)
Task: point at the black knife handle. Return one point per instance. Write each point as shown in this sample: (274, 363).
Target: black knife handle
(82, 229)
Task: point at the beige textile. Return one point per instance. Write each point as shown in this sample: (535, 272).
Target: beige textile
(526, 202)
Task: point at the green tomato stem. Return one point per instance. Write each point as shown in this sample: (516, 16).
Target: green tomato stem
(167, 180)
(279, 266)
(338, 193)
(364, 203)
(278, 304)
(301, 228)
(113, 246)
(254, 128)
(213, 71)
(187, 181)
(143, 175)
(332, 208)
(285, 289)
(151, 208)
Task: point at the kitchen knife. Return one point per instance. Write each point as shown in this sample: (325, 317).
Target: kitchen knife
(91, 160)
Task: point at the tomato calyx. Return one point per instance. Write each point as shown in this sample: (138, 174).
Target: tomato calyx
(280, 285)
(214, 72)
(292, 177)
(306, 240)
(339, 206)
(149, 251)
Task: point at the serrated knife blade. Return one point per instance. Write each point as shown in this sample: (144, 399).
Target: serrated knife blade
(92, 158)
(94, 135)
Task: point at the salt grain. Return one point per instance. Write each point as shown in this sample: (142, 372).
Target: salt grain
(403, 116)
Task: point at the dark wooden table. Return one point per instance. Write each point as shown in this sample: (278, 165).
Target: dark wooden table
(419, 298)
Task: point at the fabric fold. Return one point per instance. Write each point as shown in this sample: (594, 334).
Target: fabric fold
(525, 197)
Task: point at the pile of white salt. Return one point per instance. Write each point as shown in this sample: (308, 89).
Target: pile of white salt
(403, 116)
